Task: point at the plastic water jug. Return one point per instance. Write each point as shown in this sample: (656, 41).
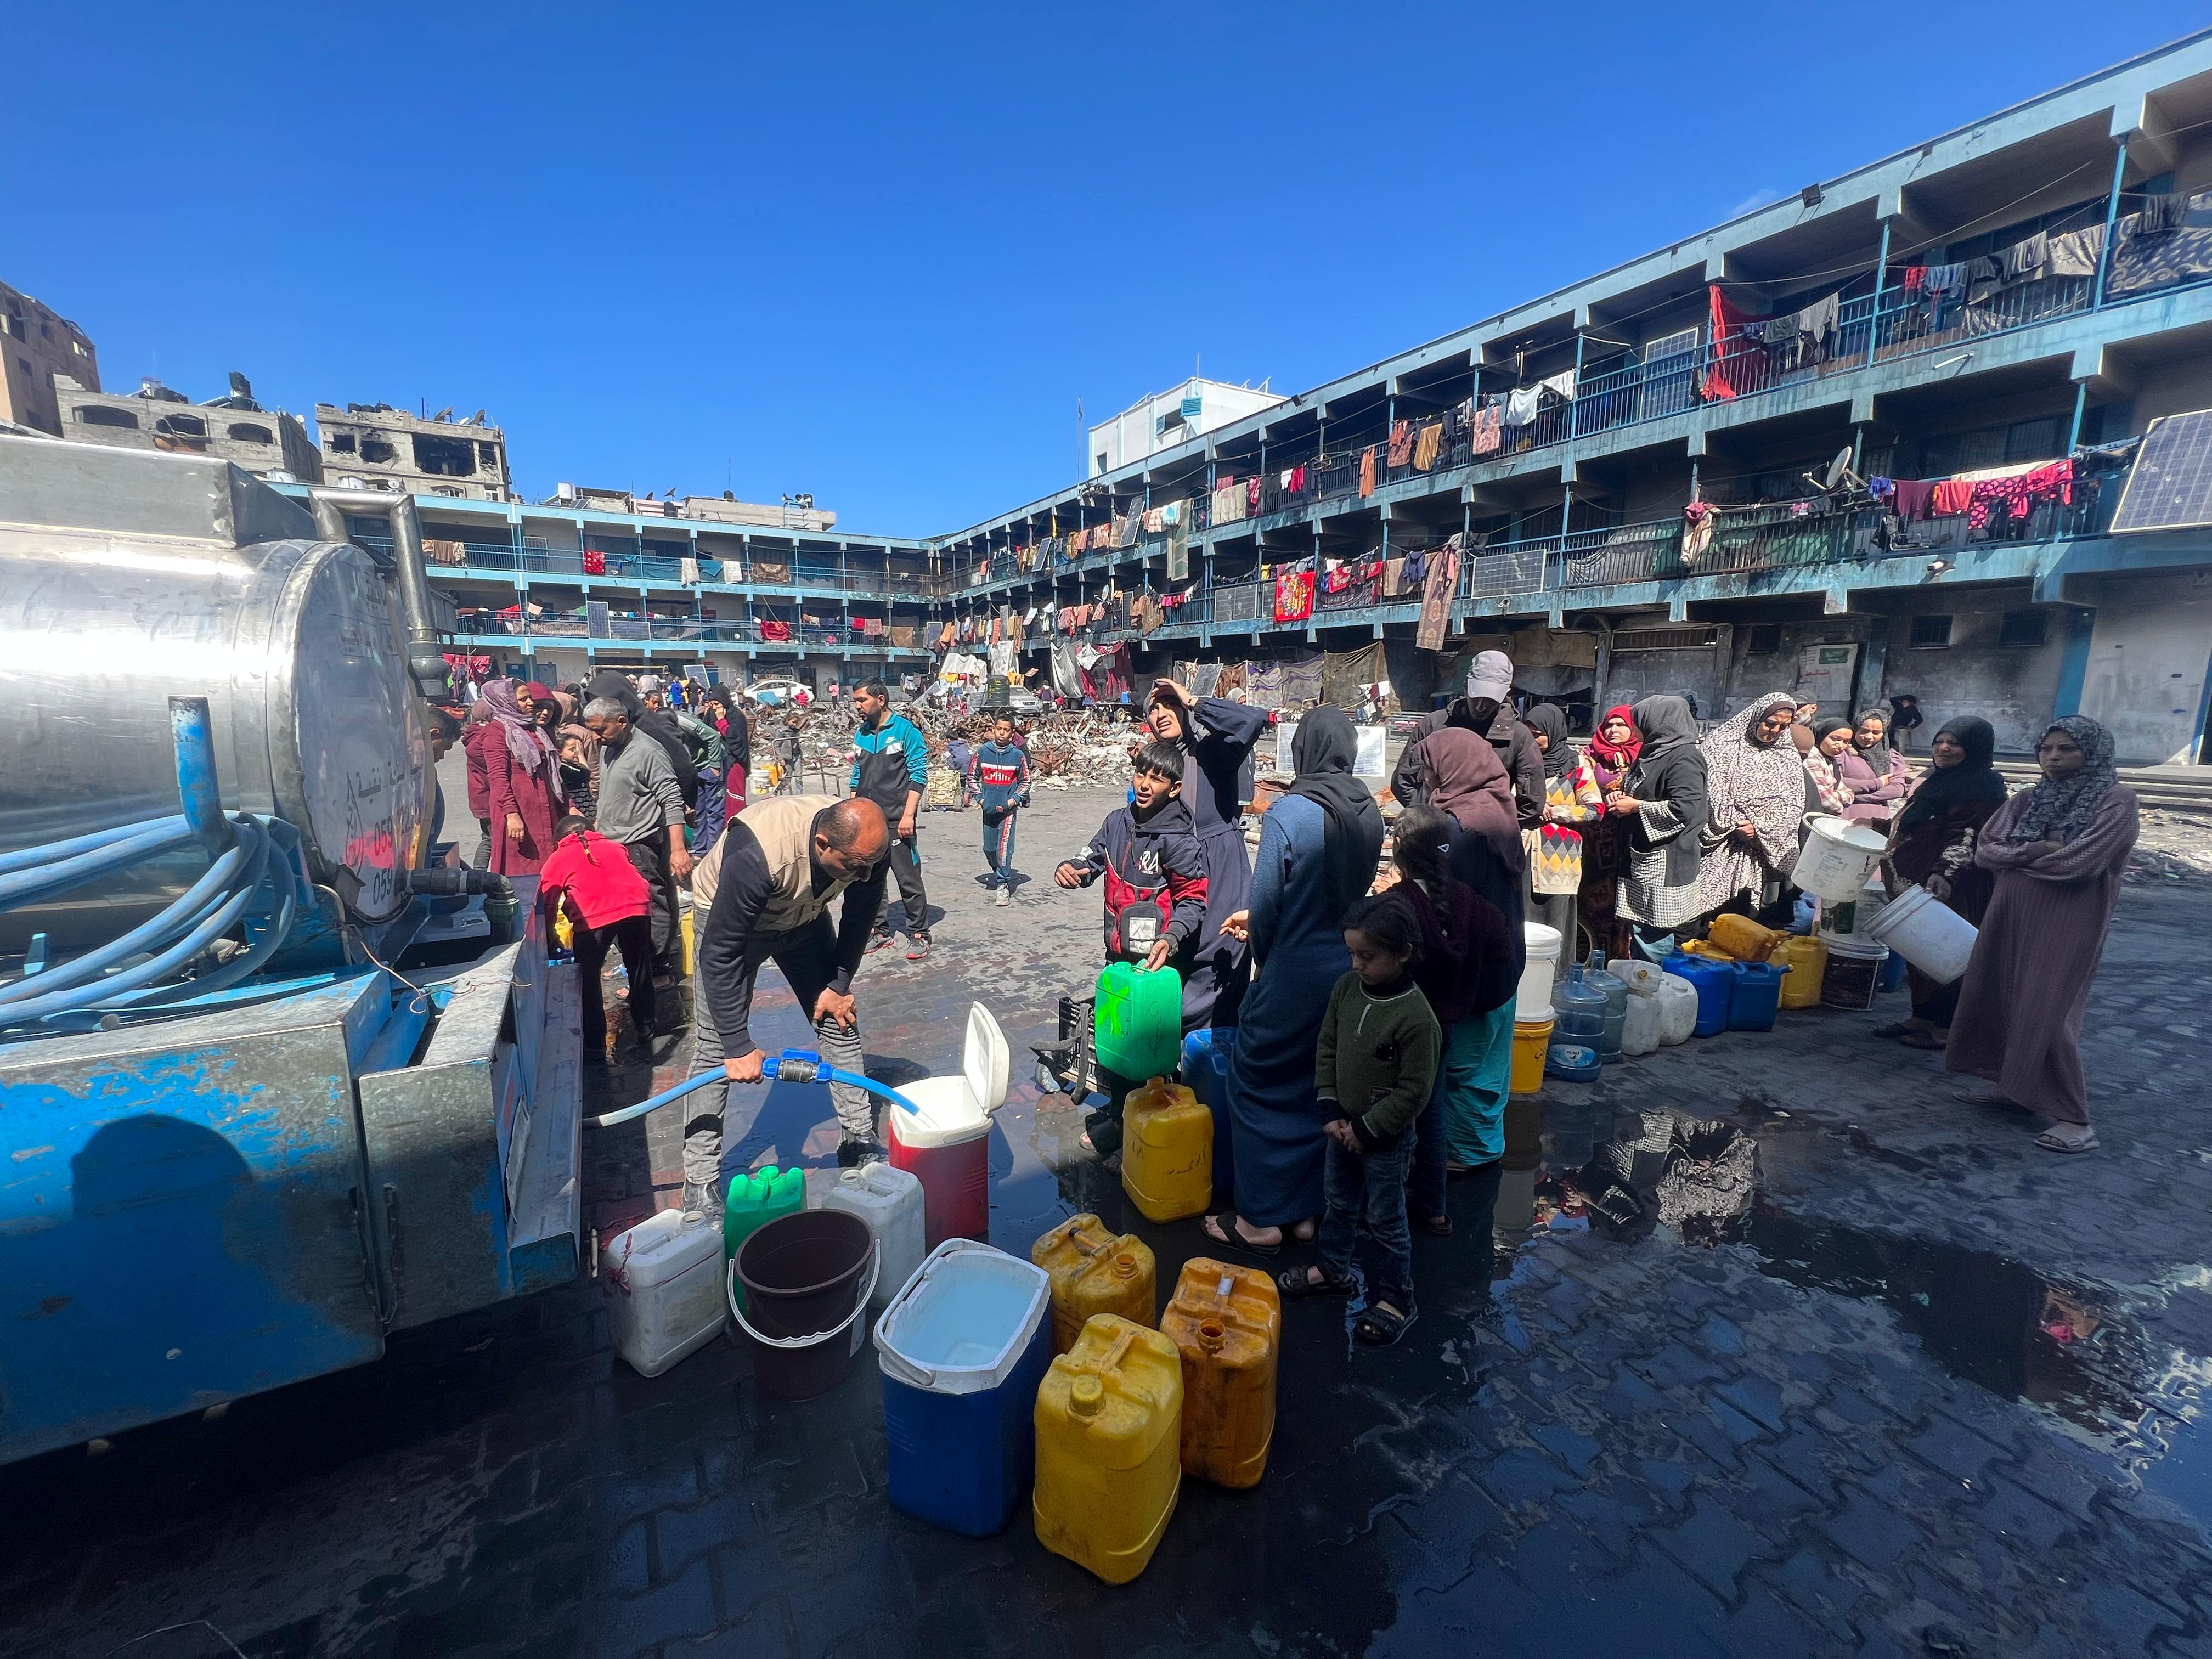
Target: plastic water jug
(1094, 1271)
(1577, 1010)
(1227, 1323)
(755, 1199)
(1743, 938)
(1807, 960)
(1678, 1009)
(1641, 1031)
(945, 1141)
(889, 1201)
(1167, 1151)
(1715, 984)
(1110, 1447)
(1205, 1068)
(1573, 1062)
(663, 1282)
(1756, 994)
(962, 1349)
(1137, 1021)
(1615, 992)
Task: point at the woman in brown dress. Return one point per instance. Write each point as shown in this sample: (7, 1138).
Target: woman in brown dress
(2057, 851)
(1931, 845)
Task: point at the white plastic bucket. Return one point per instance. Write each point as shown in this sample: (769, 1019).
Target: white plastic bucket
(1533, 1000)
(1838, 857)
(1927, 933)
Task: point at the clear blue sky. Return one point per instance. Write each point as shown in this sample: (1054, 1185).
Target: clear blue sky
(878, 253)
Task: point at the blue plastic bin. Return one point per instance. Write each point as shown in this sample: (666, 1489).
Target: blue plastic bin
(1715, 984)
(1206, 1074)
(1757, 997)
(1890, 977)
(962, 1348)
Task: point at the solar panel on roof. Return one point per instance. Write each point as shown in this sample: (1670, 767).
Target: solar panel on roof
(2171, 485)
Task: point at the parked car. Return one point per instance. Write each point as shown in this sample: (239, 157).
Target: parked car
(777, 691)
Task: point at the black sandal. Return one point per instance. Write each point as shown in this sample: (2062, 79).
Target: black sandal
(1382, 1324)
(1230, 1236)
(1102, 1133)
(1296, 1284)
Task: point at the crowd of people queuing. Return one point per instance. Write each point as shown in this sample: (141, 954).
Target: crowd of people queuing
(1371, 999)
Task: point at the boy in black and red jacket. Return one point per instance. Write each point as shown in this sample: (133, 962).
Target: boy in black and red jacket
(1155, 873)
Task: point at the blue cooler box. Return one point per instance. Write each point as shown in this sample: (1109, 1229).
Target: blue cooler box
(963, 1349)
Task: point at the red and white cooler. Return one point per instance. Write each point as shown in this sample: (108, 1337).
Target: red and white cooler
(946, 1141)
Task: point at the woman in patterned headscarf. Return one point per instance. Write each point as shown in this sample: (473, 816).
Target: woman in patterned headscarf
(1755, 791)
(2058, 850)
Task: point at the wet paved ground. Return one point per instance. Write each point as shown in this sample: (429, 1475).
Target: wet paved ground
(1780, 1351)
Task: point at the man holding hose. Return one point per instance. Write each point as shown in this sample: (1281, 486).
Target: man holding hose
(766, 887)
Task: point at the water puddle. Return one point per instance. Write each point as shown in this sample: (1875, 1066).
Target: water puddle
(2085, 1353)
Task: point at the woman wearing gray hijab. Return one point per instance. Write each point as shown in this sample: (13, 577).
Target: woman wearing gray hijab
(1665, 789)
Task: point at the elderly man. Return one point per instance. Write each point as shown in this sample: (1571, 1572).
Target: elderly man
(641, 804)
(766, 888)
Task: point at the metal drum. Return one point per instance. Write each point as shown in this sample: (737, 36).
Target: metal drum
(127, 577)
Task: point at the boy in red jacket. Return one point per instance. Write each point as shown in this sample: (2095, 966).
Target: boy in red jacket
(607, 903)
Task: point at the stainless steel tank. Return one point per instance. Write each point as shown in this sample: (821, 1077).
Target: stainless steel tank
(127, 577)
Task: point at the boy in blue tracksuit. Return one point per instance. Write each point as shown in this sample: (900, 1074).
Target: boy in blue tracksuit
(998, 776)
(890, 767)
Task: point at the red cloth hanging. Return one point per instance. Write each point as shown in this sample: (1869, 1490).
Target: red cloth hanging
(1729, 322)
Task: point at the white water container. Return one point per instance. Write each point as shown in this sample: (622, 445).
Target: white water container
(1532, 1001)
(889, 1201)
(1677, 1009)
(663, 1282)
(1838, 857)
(1927, 933)
(1642, 978)
(1640, 1029)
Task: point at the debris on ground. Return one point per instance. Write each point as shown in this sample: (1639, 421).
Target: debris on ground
(2174, 847)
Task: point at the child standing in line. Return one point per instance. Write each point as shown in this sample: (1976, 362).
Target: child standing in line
(998, 776)
(608, 903)
(1155, 874)
(1374, 1068)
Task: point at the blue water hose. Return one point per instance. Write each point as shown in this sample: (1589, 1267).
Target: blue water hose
(792, 1066)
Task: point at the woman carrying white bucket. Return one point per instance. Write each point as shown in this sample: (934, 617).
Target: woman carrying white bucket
(2057, 851)
(1931, 845)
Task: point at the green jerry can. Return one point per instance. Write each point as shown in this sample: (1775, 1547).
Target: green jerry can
(755, 1199)
(1137, 1021)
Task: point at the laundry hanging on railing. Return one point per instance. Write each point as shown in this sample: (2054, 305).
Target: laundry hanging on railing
(1294, 596)
(1401, 443)
(1367, 472)
(2168, 241)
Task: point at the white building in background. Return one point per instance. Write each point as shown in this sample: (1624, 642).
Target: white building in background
(1170, 417)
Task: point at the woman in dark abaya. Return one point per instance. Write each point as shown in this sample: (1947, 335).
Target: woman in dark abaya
(1931, 845)
(1463, 777)
(1318, 848)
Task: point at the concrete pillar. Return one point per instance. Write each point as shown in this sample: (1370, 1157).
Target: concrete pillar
(2074, 664)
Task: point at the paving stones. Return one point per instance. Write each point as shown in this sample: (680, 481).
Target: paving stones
(1829, 1425)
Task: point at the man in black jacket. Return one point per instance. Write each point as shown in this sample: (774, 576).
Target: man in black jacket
(1484, 710)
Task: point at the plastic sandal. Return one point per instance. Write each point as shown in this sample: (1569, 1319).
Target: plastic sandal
(1382, 1325)
(1296, 1283)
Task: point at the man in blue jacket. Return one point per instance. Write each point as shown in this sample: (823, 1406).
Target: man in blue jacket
(890, 767)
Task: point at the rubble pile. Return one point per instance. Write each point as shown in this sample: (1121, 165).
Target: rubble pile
(2174, 847)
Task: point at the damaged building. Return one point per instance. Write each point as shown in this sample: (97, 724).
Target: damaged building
(266, 442)
(38, 347)
(1928, 427)
(387, 448)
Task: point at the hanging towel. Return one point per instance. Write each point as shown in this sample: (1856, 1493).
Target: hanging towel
(1521, 407)
(1425, 448)
(1401, 443)
(2075, 252)
(1483, 430)
(1563, 383)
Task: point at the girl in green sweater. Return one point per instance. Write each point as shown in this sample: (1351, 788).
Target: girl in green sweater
(1374, 1066)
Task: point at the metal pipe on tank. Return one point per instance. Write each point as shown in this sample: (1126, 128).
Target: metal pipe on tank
(192, 726)
(426, 655)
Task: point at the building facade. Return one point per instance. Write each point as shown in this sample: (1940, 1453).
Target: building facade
(38, 346)
(1632, 475)
(387, 448)
(234, 428)
(1168, 419)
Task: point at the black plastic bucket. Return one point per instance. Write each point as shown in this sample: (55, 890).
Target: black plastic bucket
(806, 1278)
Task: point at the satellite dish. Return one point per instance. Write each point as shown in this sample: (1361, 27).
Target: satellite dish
(477, 419)
(445, 414)
(1840, 469)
